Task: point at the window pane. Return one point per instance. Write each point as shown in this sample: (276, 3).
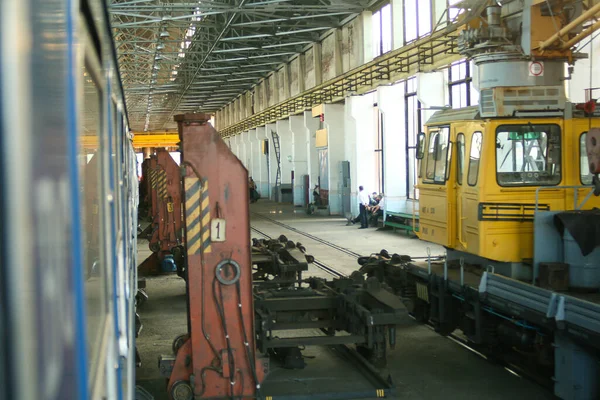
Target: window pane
(376, 32)
(448, 161)
(91, 217)
(584, 165)
(460, 161)
(474, 157)
(386, 28)
(424, 17)
(437, 156)
(528, 155)
(458, 71)
(410, 20)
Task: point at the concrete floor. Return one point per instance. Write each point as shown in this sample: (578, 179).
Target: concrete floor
(423, 365)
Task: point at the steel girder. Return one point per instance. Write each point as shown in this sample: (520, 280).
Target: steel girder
(185, 56)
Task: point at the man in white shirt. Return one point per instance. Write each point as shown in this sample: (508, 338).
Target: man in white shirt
(363, 201)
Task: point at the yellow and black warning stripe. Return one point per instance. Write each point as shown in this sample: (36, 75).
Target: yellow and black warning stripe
(380, 392)
(197, 216)
(162, 184)
(153, 178)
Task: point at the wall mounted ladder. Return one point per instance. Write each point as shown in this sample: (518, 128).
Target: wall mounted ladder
(278, 157)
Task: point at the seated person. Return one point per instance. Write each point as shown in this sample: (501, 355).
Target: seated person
(317, 195)
(373, 199)
(377, 210)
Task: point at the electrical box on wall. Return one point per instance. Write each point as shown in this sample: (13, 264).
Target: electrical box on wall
(318, 111)
(321, 139)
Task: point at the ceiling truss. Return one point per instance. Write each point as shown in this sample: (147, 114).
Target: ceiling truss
(187, 56)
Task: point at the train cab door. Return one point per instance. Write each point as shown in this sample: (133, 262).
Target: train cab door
(580, 174)
(436, 190)
(469, 140)
(459, 234)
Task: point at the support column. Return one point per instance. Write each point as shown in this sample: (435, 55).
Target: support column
(392, 106)
(260, 162)
(300, 143)
(312, 124)
(287, 156)
(362, 172)
(272, 159)
(334, 123)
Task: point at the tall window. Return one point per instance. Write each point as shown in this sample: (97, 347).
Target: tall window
(460, 85)
(414, 125)
(382, 30)
(417, 19)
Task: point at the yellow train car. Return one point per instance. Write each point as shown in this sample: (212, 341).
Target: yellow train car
(478, 180)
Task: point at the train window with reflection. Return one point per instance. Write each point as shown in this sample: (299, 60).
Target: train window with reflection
(92, 215)
(460, 160)
(528, 155)
(437, 156)
(474, 158)
(584, 165)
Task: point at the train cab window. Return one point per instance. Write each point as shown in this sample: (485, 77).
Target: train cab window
(437, 156)
(584, 165)
(528, 155)
(460, 159)
(474, 158)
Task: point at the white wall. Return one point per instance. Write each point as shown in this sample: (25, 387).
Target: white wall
(334, 123)
(300, 143)
(359, 144)
(287, 150)
(392, 105)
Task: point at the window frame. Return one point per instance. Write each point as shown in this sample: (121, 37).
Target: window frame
(480, 134)
(432, 133)
(431, 21)
(467, 82)
(560, 131)
(460, 157)
(378, 52)
(409, 97)
(581, 164)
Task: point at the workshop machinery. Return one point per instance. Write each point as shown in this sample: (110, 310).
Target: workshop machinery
(164, 195)
(234, 322)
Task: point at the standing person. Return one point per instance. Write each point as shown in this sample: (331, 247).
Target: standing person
(363, 200)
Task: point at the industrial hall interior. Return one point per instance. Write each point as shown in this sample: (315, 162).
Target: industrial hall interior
(299, 199)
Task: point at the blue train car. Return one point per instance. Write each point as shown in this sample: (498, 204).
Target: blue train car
(68, 206)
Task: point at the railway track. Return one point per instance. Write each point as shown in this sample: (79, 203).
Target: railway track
(322, 266)
(457, 339)
(308, 235)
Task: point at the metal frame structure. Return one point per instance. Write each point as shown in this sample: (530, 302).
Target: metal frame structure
(423, 55)
(188, 56)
